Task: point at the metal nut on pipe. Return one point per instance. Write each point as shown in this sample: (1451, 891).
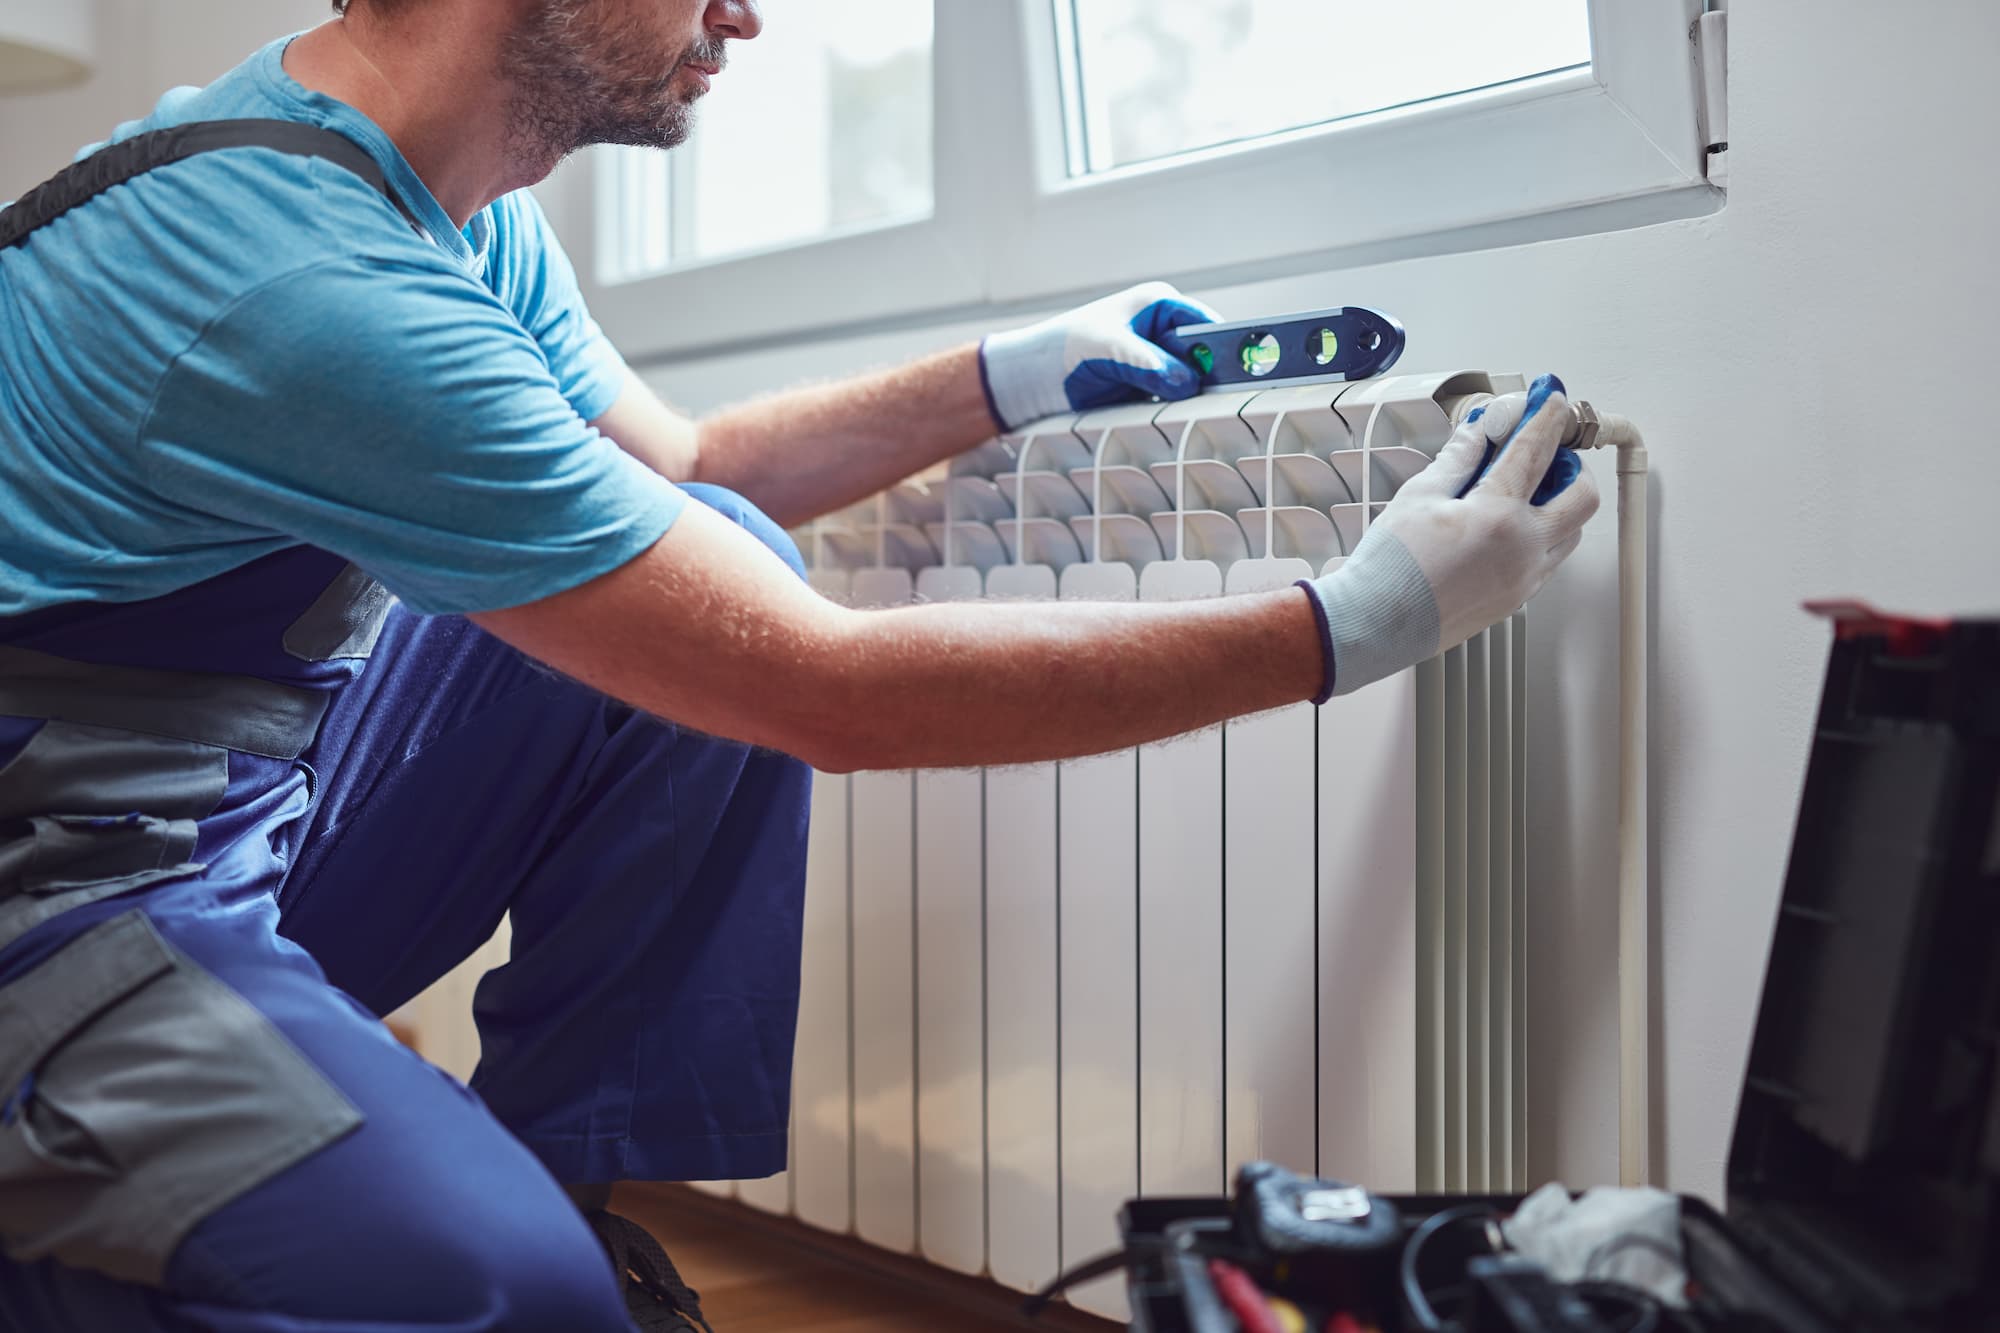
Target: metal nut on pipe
(1583, 431)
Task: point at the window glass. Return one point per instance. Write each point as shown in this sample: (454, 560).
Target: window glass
(1148, 79)
(821, 124)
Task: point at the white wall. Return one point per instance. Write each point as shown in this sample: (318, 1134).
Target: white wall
(1807, 364)
(144, 48)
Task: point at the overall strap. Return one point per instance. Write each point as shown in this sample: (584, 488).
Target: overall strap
(80, 182)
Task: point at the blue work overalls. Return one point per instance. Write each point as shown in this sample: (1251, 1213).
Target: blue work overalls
(226, 848)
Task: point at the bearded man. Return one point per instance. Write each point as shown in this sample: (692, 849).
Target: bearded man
(294, 378)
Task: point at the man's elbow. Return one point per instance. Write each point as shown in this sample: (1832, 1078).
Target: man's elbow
(836, 763)
(834, 737)
(840, 723)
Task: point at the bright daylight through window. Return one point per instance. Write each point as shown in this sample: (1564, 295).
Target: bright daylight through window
(1147, 79)
(873, 160)
(822, 125)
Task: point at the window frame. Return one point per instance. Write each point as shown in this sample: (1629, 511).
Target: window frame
(1021, 232)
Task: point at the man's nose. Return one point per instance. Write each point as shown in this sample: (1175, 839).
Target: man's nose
(738, 19)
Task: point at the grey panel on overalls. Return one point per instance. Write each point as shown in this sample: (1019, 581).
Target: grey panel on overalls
(344, 622)
(141, 1093)
(235, 712)
(87, 812)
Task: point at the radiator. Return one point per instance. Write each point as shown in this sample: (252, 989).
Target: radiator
(1031, 993)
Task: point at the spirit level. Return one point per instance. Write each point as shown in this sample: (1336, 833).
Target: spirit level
(1320, 347)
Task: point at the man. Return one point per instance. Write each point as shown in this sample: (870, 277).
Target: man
(238, 385)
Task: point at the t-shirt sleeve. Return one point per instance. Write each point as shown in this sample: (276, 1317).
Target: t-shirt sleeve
(400, 416)
(534, 278)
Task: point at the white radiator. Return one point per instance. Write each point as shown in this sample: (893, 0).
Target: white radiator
(1031, 993)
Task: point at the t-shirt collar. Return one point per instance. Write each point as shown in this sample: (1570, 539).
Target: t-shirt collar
(469, 246)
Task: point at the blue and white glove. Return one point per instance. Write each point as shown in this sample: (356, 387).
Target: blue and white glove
(1095, 355)
(1463, 544)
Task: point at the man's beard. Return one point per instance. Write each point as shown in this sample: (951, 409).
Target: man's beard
(579, 80)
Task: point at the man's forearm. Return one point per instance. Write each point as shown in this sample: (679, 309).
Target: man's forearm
(810, 451)
(1002, 683)
(807, 452)
(709, 629)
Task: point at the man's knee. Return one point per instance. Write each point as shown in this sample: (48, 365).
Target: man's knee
(500, 1272)
(559, 1279)
(751, 519)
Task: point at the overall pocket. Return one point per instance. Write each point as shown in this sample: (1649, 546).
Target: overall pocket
(141, 1095)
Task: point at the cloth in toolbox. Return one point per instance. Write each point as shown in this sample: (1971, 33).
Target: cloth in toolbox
(642, 1029)
(1622, 1235)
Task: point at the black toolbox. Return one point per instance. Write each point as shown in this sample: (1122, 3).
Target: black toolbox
(1864, 1175)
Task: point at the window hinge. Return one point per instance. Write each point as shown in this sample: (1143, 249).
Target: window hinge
(1711, 73)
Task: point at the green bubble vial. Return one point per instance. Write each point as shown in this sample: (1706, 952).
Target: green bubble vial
(1260, 354)
(1203, 358)
(1324, 346)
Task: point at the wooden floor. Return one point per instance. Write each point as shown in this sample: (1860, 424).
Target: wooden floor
(760, 1274)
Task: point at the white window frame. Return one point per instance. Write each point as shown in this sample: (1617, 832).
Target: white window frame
(1018, 232)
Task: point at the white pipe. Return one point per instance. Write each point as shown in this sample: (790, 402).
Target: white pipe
(1635, 1156)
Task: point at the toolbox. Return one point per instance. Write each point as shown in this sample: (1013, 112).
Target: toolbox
(1864, 1175)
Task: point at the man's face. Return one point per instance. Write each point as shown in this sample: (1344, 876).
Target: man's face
(616, 71)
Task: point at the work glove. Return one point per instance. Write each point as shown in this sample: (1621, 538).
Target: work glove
(1102, 353)
(1463, 544)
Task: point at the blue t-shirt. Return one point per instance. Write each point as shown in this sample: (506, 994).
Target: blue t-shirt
(247, 351)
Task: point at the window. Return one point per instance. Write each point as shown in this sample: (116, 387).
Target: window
(823, 126)
(1148, 79)
(867, 161)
